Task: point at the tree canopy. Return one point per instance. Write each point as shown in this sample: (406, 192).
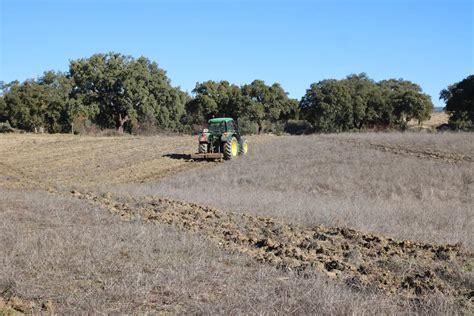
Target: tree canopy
(267, 103)
(129, 94)
(256, 102)
(113, 89)
(357, 101)
(109, 90)
(40, 103)
(459, 99)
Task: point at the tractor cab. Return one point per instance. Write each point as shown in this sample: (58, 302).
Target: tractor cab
(218, 126)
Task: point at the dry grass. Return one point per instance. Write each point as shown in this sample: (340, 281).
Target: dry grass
(344, 180)
(81, 259)
(437, 119)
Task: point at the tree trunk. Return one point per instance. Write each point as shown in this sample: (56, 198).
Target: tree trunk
(120, 122)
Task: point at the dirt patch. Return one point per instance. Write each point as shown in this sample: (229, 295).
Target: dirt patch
(365, 262)
(39, 161)
(13, 304)
(68, 161)
(16, 305)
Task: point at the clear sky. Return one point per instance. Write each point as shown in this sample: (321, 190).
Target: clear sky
(293, 42)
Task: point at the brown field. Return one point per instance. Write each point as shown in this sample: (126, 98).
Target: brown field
(330, 224)
(436, 119)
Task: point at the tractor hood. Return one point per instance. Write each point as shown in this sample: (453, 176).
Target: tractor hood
(221, 120)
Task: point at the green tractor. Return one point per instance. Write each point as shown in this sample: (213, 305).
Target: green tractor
(221, 140)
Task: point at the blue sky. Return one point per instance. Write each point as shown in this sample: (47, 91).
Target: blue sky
(293, 42)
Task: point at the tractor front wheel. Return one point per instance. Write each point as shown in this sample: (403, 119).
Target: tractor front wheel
(202, 148)
(231, 148)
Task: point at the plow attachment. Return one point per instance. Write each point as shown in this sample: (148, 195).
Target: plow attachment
(207, 156)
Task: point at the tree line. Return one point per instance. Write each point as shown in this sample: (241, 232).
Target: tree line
(115, 91)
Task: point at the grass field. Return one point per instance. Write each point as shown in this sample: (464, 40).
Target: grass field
(331, 224)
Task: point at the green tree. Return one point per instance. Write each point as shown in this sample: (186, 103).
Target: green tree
(40, 103)
(255, 102)
(415, 105)
(3, 105)
(363, 98)
(113, 89)
(328, 106)
(268, 103)
(57, 87)
(25, 104)
(404, 101)
(377, 113)
(3, 110)
(214, 99)
(459, 99)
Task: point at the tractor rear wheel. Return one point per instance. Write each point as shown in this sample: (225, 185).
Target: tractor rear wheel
(202, 148)
(244, 147)
(231, 148)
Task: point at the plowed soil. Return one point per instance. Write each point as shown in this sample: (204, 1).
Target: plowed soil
(15, 305)
(67, 161)
(363, 261)
(64, 161)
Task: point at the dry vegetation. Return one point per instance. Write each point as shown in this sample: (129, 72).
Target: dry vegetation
(65, 256)
(408, 186)
(134, 251)
(436, 119)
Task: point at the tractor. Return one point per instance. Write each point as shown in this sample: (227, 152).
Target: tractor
(221, 140)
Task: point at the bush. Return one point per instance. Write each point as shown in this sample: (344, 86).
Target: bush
(6, 128)
(273, 127)
(298, 127)
(247, 127)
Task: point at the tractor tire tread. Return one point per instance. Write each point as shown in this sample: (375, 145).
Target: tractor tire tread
(241, 146)
(203, 148)
(228, 149)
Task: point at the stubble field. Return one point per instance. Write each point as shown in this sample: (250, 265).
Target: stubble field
(350, 223)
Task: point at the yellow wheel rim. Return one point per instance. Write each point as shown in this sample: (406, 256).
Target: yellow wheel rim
(246, 148)
(234, 148)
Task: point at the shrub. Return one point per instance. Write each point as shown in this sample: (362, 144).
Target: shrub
(6, 128)
(247, 127)
(298, 127)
